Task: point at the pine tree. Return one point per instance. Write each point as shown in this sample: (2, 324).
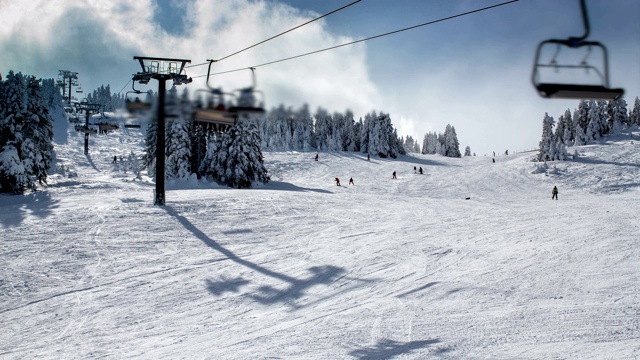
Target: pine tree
(634, 115)
(13, 105)
(619, 117)
(366, 130)
(580, 121)
(568, 136)
(560, 129)
(547, 146)
(594, 120)
(178, 150)
(467, 151)
(238, 161)
(38, 134)
(150, 139)
(451, 144)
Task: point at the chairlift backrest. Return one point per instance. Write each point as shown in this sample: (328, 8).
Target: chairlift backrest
(558, 90)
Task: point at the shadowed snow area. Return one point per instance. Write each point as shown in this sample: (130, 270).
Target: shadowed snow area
(300, 268)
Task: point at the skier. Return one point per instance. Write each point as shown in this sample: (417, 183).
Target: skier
(337, 182)
(420, 171)
(554, 193)
(368, 158)
(394, 175)
(351, 181)
(115, 159)
(494, 160)
(316, 156)
(414, 169)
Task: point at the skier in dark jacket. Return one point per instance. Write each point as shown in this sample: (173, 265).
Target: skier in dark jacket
(554, 193)
(351, 181)
(394, 175)
(337, 182)
(420, 171)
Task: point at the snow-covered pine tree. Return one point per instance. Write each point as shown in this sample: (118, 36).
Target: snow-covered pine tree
(451, 145)
(593, 131)
(348, 133)
(208, 164)
(151, 119)
(430, 143)
(357, 134)
(568, 136)
(178, 150)
(278, 129)
(177, 140)
(561, 126)
(396, 144)
(304, 125)
(559, 137)
(580, 122)
(13, 105)
(335, 141)
(364, 135)
(634, 115)
(467, 151)
(547, 145)
(38, 151)
(379, 136)
(238, 161)
(619, 118)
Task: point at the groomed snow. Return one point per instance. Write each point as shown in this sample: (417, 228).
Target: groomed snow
(303, 269)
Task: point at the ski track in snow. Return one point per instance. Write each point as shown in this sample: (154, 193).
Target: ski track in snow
(302, 269)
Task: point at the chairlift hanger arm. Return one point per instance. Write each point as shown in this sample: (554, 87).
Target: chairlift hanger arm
(577, 41)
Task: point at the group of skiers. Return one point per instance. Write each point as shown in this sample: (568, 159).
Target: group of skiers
(350, 182)
(554, 192)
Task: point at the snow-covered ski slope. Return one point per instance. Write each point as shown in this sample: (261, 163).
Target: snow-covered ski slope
(303, 269)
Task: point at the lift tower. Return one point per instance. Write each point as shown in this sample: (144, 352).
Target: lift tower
(161, 69)
(66, 77)
(88, 109)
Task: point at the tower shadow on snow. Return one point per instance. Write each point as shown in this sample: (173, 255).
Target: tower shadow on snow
(294, 288)
(388, 349)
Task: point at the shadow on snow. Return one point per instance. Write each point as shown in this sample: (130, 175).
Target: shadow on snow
(15, 208)
(388, 349)
(295, 288)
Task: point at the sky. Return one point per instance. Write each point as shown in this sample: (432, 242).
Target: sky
(300, 268)
(471, 72)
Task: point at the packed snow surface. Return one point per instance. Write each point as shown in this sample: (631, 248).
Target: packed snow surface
(470, 260)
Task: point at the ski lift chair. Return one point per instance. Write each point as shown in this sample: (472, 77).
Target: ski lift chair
(215, 115)
(136, 105)
(247, 100)
(555, 90)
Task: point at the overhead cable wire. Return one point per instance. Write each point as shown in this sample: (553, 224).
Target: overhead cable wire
(366, 39)
(125, 85)
(282, 33)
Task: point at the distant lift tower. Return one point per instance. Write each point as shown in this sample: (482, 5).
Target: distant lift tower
(67, 78)
(88, 109)
(161, 69)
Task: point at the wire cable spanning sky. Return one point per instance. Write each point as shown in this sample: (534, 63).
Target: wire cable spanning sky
(473, 73)
(352, 42)
(282, 33)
